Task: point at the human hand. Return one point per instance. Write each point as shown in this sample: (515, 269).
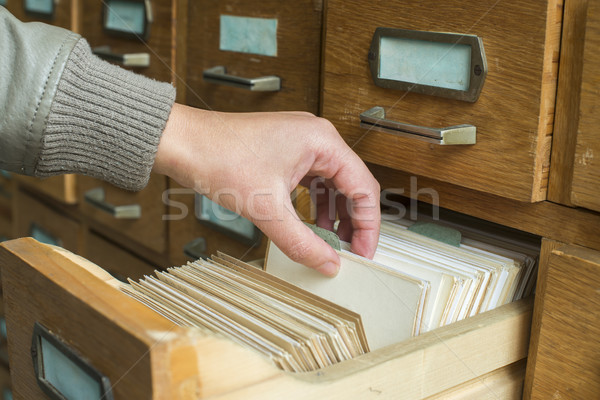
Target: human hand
(251, 162)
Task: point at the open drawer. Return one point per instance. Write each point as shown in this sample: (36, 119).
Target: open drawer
(143, 355)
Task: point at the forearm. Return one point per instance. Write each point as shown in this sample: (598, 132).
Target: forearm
(67, 111)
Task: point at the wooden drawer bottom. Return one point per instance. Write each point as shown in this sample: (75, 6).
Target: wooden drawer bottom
(146, 356)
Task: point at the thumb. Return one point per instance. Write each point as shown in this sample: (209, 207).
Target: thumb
(298, 241)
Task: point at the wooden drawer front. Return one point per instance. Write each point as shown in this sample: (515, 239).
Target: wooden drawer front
(117, 261)
(6, 188)
(586, 174)
(513, 114)
(6, 226)
(187, 234)
(565, 354)
(297, 59)
(157, 44)
(61, 16)
(148, 229)
(33, 218)
(5, 388)
(146, 357)
(62, 188)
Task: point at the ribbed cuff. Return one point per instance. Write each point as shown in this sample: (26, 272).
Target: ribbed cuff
(104, 122)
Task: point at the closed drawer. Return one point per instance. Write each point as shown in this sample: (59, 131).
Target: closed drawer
(134, 33)
(49, 11)
(33, 218)
(5, 387)
(254, 40)
(6, 188)
(564, 354)
(62, 188)
(119, 262)
(137, 216)
(145, 356)
(192, 236)
(6, 225)
(513, 114)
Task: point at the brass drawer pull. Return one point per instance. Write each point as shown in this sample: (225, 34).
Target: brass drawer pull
(262, 84)
(460, 134)
(96, 198)
(195, 249)
(128, 59)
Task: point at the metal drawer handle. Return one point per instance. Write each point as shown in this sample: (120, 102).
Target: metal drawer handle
(96, 198)
(195, 249)
(263, 84)
(127, 60)
(459, 134)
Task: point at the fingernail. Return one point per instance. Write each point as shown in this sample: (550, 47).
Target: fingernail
(330, 269)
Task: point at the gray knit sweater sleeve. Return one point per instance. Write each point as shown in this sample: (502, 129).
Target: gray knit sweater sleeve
(104, 122)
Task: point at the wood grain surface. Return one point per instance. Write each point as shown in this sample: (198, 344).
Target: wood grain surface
(158, 44)
(568, 347)
(7, 190)
(513, 116)
(30, 211)
(548, 246)
(133, 346)
(119, 262)
(185, 227)
(566, 118)
(62, 188)
(505, 383)
(144, 356)
(586, 174)
(62, 13)
(545, 219)
(150, 230)
(297, 62)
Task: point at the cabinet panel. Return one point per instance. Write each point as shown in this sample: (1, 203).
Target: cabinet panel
(62, 188)
(33, 218)
(189, 238)
(120, 263)
(49, 11)
(567, 348)
(586, 174)
(513, 115)
(130, 15)
(251, 40)
(146, 228)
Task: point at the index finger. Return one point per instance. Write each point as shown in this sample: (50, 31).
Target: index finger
(353, 179)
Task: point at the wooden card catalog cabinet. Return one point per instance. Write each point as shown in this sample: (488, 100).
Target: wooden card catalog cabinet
(199, 228)
(6, 188)
(565, 349)
(141, 355)
(134, 216)
(585, 191)
(135, 34)
(117, 261)
(35, 219)
(472, 106)
(49, 11)
(254, 56)
(62, 188)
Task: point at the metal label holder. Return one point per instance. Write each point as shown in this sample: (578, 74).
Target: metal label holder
(202, 203)
(478, 68)
(43, 337)
(148, 19)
